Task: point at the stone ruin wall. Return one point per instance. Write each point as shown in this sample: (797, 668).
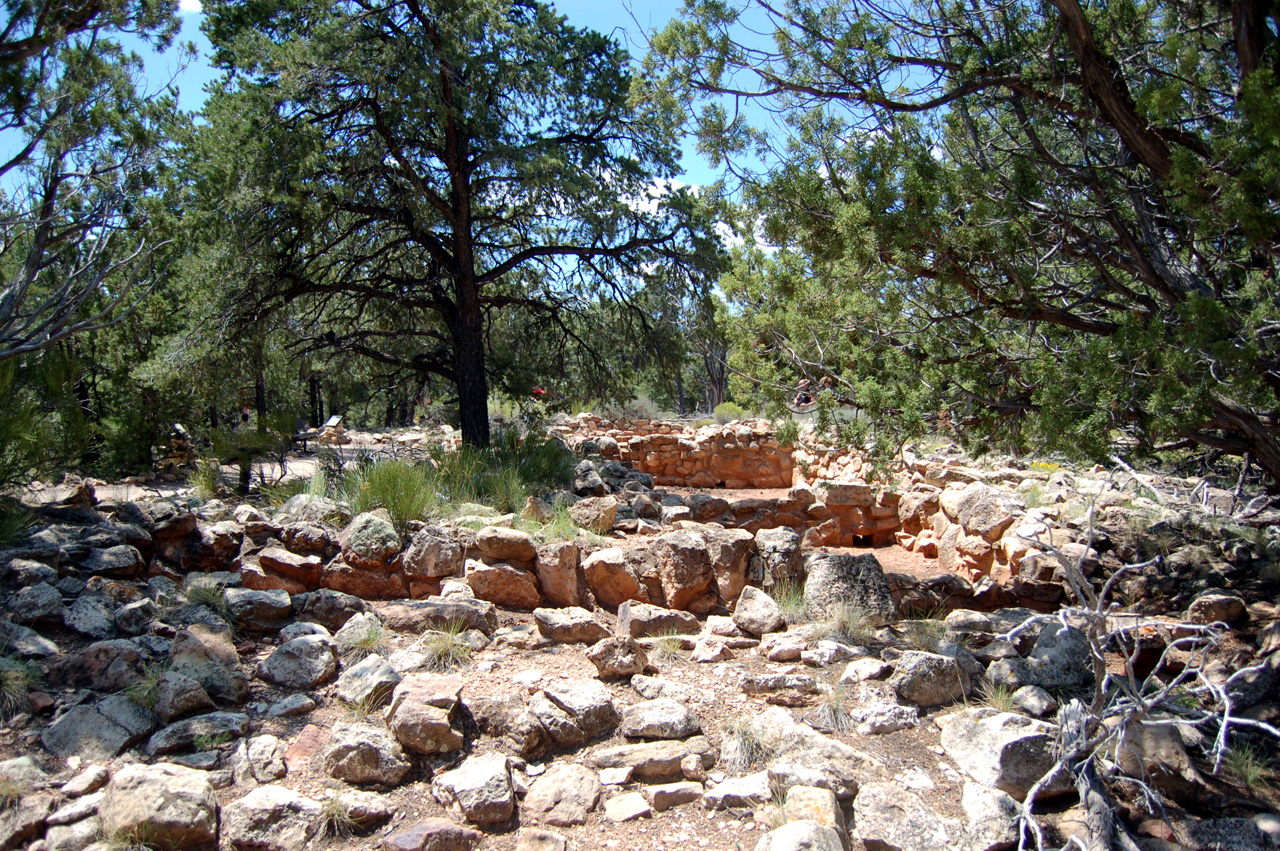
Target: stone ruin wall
(939, 509)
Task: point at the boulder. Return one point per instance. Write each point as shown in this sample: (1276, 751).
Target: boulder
(258, 759)
(661, 718)
(369, 542)
(91, 616)
(570, 625)
(778, 557)
(433, 834)
(658, 761)
(209, 657)
(891, 817)
(730, 551)
(559, 578)
(34, 603)
(100, 731)
(433, 553)
(368, 683)
(610, 577)
(270, 818)
(564, 795)
(182, 735)
(331, 609)
(479, 790)
(172, 808)
(685, 573)
(929, 679)
(993, 817)
(595, 513)
(421, 714)
(757, 612)
(1003, 750)
(363, 754)
(803, 835)
(301, 663)
(503, 544)
(503, 585)
(1061, 658)
(261, 611)
(837, 581)
(748, 792)
(1217, 607)
(664, 796)
(575, 712)
(618, 657)
(639, 620)
(122, 560)
(178, 695)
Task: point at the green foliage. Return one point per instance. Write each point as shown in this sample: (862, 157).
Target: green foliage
(665, 648)
(206, 479)
(924, 634)
(403, 489)
(788, 432)
(727, 412)
(336, 819)
(21, 452)
(947, 252)
(210, 741)
(15, 521)
(357, 645)
(11, 792)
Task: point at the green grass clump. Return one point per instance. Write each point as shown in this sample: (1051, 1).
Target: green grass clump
(202, 592)
(1246, 763)
(665, 648)
(336, 819)
(741, 750)
(279, 493)
(403, 489)
(15, 521)
(17, 680)
(356, 646)
(789, 595)
(850, 623)
(833, 710)
(209, 741)
(997, 697)
(445, 649)
(144, 690)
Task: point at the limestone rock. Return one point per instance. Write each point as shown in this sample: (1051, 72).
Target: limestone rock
(610, 577)
(661, 718)
(570, 625)
(628, 806)
(503, 585)
(368, 683)
(1060, 659)
(1002, 750)
(369, 542)
(173, 807)
(655, 761)
(618, 657)
(181, 735)
(929, 679)
(891, 817)
(1217, 606)
(564, 795)
(270, 818)
(301, 663)
(421, 714)
(209, 657)
(433, 834)
(178, 695)
(503, 544)
(757, 612)
(803, 835)
(558, 575)
(640, 620)
(479, 790)
(433, 553)
(739, 792)
(684, 570)
(595, 514)
(575, 711)
(536, 839)
(258, 759)
(664, 796)
(835, 581)
(364, 754)
(993, 817)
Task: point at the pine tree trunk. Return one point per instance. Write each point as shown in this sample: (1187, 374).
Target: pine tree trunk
(473, 386)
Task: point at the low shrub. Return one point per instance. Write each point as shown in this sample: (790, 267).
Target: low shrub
(727, 412)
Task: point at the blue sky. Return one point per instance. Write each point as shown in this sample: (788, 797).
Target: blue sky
(626, 20)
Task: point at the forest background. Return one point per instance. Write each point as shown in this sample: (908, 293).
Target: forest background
(1040, 227)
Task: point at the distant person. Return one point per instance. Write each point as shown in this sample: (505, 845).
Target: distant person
(803, 397)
